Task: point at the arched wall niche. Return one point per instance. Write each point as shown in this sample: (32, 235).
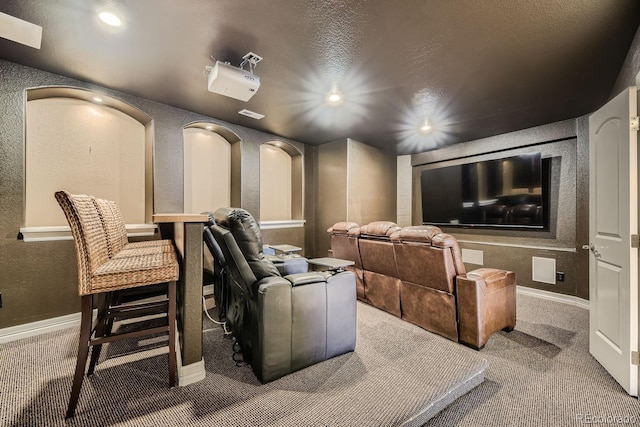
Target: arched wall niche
(281, 182)
(84, 141)
(212, 167)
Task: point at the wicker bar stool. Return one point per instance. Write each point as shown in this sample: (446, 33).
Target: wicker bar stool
(100, 275)
(117, 241)
(110, 305)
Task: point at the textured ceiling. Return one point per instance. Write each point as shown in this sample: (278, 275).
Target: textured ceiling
(475, 68)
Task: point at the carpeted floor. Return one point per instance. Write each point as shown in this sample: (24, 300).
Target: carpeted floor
(399, 373)
(541, 374)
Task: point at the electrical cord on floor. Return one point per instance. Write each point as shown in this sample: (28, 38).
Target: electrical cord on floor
(223, 324)
(237, 355)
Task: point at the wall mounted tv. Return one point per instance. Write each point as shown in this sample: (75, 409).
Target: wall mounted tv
(510, 192)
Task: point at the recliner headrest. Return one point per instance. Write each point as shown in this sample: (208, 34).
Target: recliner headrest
(379, 229)
(444, 240)
(350, 228)
(246, 232)
(416, 233)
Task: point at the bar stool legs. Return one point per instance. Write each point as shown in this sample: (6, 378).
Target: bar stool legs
(103, 335)
(172, 334)
(83, 352)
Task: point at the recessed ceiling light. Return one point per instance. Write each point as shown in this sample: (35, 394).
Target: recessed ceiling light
(208, 127)
(334, 98)
(110, 18)
(425, 127)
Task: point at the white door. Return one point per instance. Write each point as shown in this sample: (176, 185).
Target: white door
(613, 263)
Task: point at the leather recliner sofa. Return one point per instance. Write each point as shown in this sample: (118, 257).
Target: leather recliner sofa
(344, 245)
(282, 324)
(381, 280)
(428, 285)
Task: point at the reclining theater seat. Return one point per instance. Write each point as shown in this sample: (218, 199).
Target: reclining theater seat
(281, 323)
(428, 269)
(381, 282)
(438, 295)
(344, 244)
(486, 304)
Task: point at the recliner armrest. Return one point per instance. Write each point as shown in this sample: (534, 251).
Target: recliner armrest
(490, 279)
(486, 301)
(272, 281)
(306, 278)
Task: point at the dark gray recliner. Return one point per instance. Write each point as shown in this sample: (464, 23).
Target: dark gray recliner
(282, 324)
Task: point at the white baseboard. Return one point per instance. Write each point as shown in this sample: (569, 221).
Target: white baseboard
(191, 373)
(186, 374)
(552, 296)
(40, 327)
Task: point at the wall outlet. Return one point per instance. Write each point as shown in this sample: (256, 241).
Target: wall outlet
(560, 276)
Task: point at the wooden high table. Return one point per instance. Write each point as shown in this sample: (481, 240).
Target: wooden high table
(186, 231)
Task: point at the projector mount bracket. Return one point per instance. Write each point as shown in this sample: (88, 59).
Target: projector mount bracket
(252, 59)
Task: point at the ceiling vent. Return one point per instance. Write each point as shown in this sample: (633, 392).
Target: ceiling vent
(251, 114)
(234, 82)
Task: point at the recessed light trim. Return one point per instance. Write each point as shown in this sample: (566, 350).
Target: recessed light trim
(425, 127)
(110, 18)
(334, 98)
(97, 99)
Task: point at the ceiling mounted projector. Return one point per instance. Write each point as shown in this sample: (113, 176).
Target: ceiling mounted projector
(235, 82)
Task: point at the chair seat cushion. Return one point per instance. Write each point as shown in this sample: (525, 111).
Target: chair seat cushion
(129, 272)
(147, 247)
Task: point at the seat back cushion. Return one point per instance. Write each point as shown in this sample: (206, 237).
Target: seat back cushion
(248, 237)
(344, 242)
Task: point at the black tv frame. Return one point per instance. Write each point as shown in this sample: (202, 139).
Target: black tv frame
(545, 178)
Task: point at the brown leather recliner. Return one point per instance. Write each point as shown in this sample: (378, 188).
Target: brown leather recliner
(381, 282)
(344, 245)
(427, 267)
(436, 289)
(486, 304)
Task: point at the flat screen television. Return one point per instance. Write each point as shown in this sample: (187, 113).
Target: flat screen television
(510, 192)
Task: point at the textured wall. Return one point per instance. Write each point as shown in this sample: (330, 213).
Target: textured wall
(332, 191)
(40, 278)
(356, 182)
(275, 184)
(371, 184)
(566, 143)
(628, 75)
(404, 173)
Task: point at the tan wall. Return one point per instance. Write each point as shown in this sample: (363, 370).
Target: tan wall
(82, 147)
(371, 184)
(41, 276)
(275, 183)
(207, 171)
(356, 182)
(331, 205)
(404, 182)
